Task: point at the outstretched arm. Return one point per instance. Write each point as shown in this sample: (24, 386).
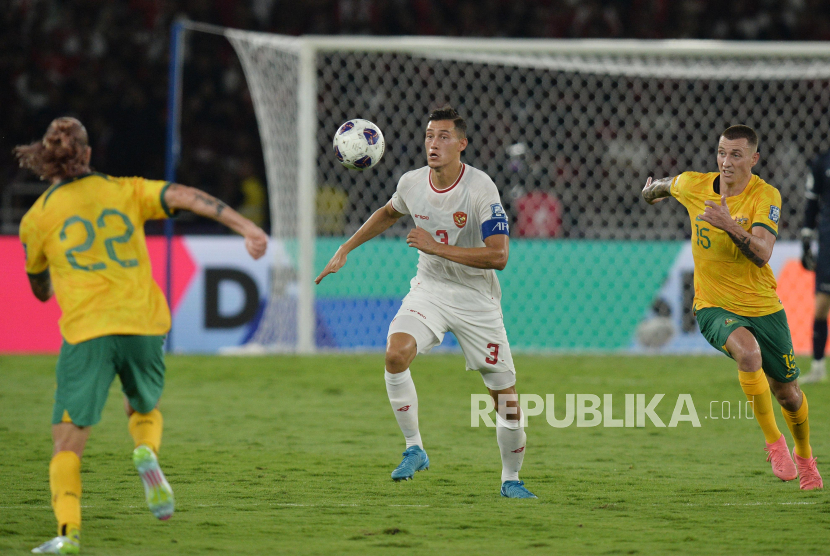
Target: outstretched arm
(379, 222)
(757, 246)
(41, 285)
(182, 197)
(657, 190)
(494, 254)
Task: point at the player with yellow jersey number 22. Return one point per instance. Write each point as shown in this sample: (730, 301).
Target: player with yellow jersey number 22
(734, 216)
(84, 243)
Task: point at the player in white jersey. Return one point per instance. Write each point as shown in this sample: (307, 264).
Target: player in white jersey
(461, 233)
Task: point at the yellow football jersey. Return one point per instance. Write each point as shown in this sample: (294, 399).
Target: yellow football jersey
(89, 233)
(724, 277)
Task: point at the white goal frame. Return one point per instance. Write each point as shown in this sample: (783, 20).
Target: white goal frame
(307, 49)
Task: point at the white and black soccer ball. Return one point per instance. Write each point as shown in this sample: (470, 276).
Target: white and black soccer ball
(358, 144)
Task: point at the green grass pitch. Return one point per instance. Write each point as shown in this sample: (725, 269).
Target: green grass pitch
(292, 455)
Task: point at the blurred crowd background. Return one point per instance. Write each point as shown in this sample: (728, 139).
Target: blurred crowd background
(106, 63)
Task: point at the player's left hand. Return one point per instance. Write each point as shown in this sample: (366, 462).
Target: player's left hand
(422, 240)
(717, 214)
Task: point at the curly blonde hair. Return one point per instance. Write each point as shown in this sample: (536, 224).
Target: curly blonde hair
(61, 154)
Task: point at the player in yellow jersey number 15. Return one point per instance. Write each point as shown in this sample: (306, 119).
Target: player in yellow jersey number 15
(734, 216)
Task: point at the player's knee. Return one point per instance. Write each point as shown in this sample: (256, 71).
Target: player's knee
(788, 398)
(397, 360)
(748, 360)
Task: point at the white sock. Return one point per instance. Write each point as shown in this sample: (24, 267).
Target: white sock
(512, 439)
(404, 400)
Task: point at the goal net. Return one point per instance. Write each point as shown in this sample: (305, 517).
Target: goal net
(568, 130)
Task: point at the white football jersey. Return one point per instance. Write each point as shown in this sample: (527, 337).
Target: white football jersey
(464, 215)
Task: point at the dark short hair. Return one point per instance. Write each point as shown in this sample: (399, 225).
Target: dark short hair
(741, 132)
(447, 112)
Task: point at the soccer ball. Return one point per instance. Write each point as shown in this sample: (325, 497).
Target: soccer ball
(358, 144)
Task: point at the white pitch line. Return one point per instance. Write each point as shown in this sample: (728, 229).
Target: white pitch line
(281, 504)
(351, 505)
(770, 504)
(747, 504)
(290, 505)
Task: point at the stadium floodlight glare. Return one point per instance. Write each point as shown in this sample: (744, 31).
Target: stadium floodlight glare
(595, 118)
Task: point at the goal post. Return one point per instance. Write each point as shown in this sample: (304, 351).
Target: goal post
(573, 127)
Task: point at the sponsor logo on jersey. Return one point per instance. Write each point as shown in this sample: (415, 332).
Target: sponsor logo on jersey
(421, 216)
(774, 213)
(404, 408)
(460, 219)
(497, 210)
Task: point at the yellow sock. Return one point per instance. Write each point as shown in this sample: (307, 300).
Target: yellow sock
(800, 427)
(756, 388)
(145, 428)
(65, 483)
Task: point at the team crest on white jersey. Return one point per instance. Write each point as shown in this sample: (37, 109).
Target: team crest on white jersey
(460, 219)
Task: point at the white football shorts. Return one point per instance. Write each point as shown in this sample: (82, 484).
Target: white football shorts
(480, 334)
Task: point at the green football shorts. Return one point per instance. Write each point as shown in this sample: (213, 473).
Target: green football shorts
(771, 331)
(86, 370)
